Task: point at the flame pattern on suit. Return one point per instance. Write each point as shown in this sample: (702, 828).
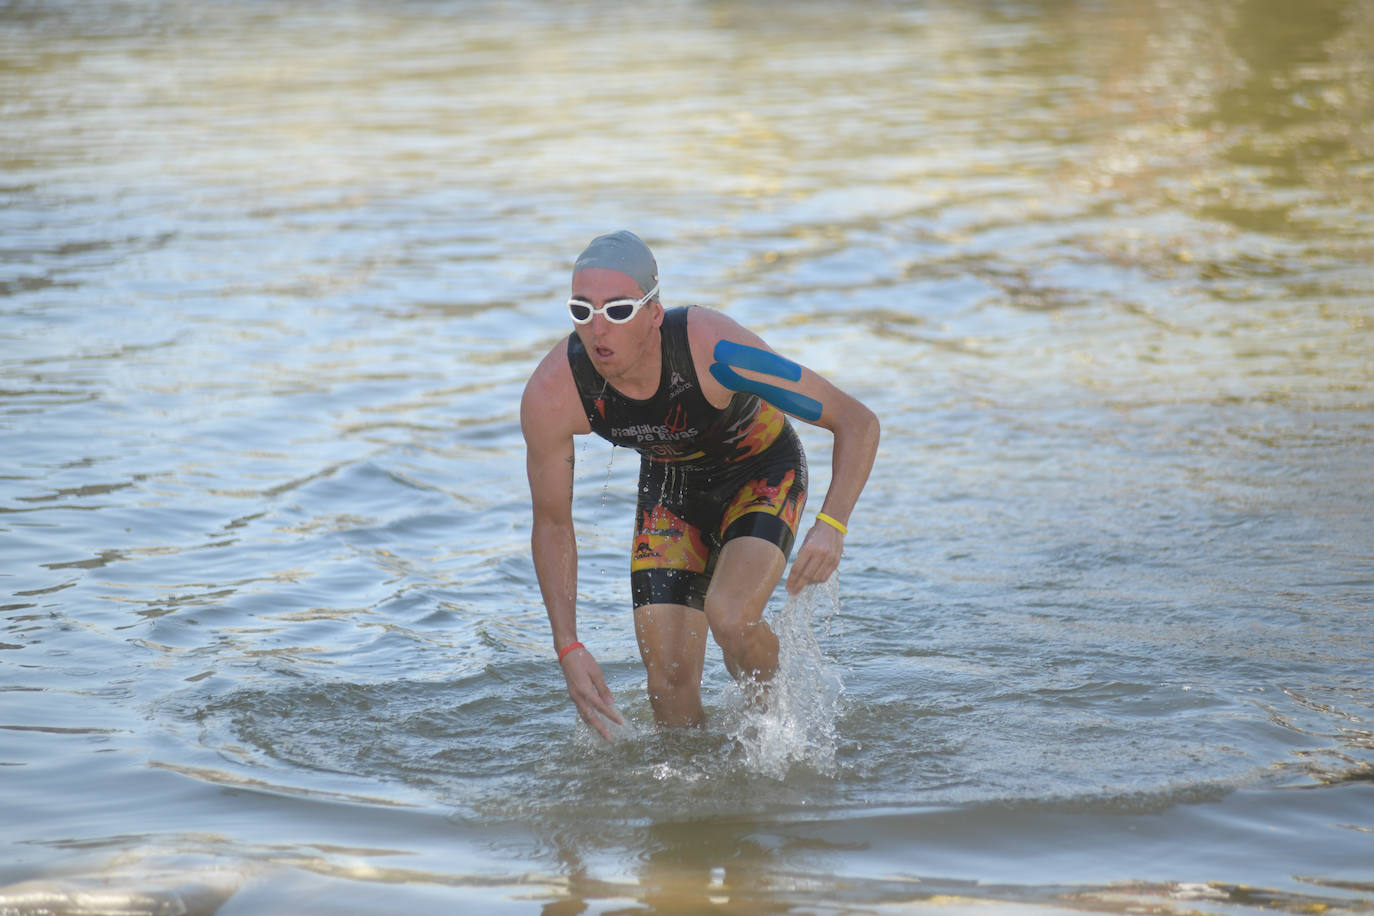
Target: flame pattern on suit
(759, 432)
(775, 497)
(665, 541)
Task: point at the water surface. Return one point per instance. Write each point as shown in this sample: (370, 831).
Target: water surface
(272, 278)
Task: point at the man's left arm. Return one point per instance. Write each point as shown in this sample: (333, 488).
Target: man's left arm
(856, 431)
(739, 360)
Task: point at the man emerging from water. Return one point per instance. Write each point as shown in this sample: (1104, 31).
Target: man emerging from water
(722, 478)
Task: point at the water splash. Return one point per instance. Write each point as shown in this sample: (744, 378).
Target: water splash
(796, 724)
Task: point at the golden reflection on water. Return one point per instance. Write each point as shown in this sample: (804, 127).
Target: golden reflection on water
(1105, 96)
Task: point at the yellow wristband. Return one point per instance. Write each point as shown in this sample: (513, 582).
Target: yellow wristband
(838, 526)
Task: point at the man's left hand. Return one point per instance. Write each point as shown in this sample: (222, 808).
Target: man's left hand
(817, 559)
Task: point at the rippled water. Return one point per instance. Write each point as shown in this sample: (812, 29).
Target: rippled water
(272, 278)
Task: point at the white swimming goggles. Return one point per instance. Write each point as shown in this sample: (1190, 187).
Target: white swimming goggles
(616, 311)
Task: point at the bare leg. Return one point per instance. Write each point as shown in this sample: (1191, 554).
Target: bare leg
(747, 571)
(672, 642)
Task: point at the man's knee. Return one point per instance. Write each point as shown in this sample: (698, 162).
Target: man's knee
(667, 678)
(733, 627)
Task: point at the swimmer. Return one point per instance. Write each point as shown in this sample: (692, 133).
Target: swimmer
(722, 479)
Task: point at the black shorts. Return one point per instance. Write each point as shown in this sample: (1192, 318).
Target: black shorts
(688, 510)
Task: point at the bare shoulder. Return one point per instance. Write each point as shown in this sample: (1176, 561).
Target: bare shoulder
(707, 326)
(550, 407)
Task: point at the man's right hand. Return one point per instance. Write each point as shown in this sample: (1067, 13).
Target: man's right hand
(588, 690)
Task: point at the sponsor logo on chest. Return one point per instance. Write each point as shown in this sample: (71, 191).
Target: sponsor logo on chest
(674, 428)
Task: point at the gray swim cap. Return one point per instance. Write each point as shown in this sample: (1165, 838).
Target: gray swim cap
(623, 251)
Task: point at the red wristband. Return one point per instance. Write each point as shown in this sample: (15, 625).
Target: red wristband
(568, 648)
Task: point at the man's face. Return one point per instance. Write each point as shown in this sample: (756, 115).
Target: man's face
(615, 349)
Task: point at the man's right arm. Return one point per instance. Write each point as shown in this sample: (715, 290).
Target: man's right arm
(553, 540)
(550, 415)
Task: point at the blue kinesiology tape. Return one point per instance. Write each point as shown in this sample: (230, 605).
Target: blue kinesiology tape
(730, 356)
(756, 360)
